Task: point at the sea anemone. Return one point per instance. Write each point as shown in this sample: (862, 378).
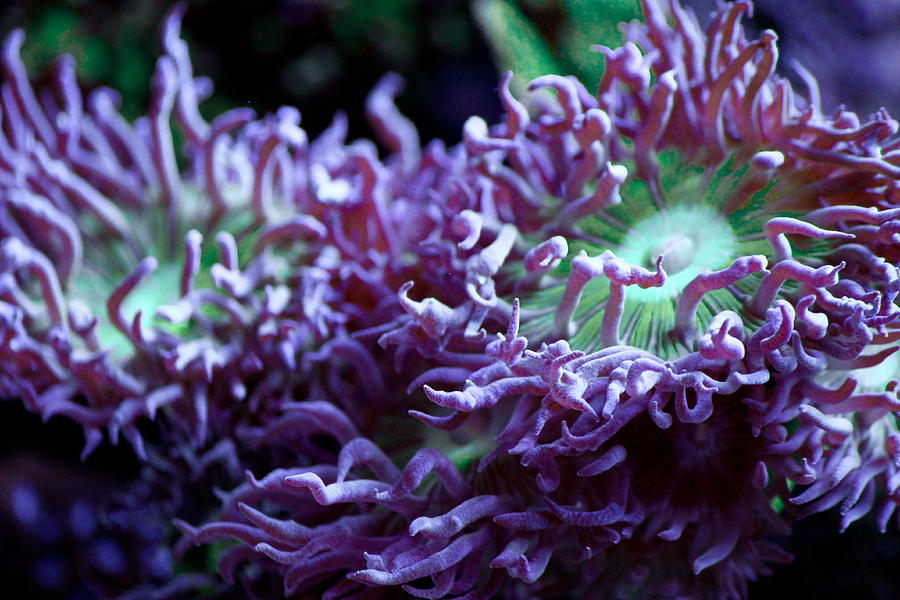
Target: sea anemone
(189, 296)
(694, 269)
(97, 212)
(690, 274)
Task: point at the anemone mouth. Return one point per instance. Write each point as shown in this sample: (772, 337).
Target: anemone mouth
(699, 220)
(108, 259)
(687, 239)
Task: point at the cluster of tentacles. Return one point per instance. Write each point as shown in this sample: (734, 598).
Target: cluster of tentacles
(216, 286)
(664, 405)
(654, 325)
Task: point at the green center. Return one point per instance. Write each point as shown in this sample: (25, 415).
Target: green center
(690, 240)
(107, 261)
(703, 222)
(159, 288)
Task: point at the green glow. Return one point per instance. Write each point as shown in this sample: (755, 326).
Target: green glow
(464, 447)
(689, 228)
(712, 238)
(159, 288)
(108, 261)
(463, 456)
(777, 502)
(870, 380)
(877, 377)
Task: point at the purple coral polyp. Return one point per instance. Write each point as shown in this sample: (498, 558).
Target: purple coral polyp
(643, 330)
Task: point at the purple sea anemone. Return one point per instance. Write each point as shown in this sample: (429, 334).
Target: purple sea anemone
(695, 272)
(631, 323)
(191, 296)
(116, 304)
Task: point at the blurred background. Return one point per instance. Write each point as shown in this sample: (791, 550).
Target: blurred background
(321, 56)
